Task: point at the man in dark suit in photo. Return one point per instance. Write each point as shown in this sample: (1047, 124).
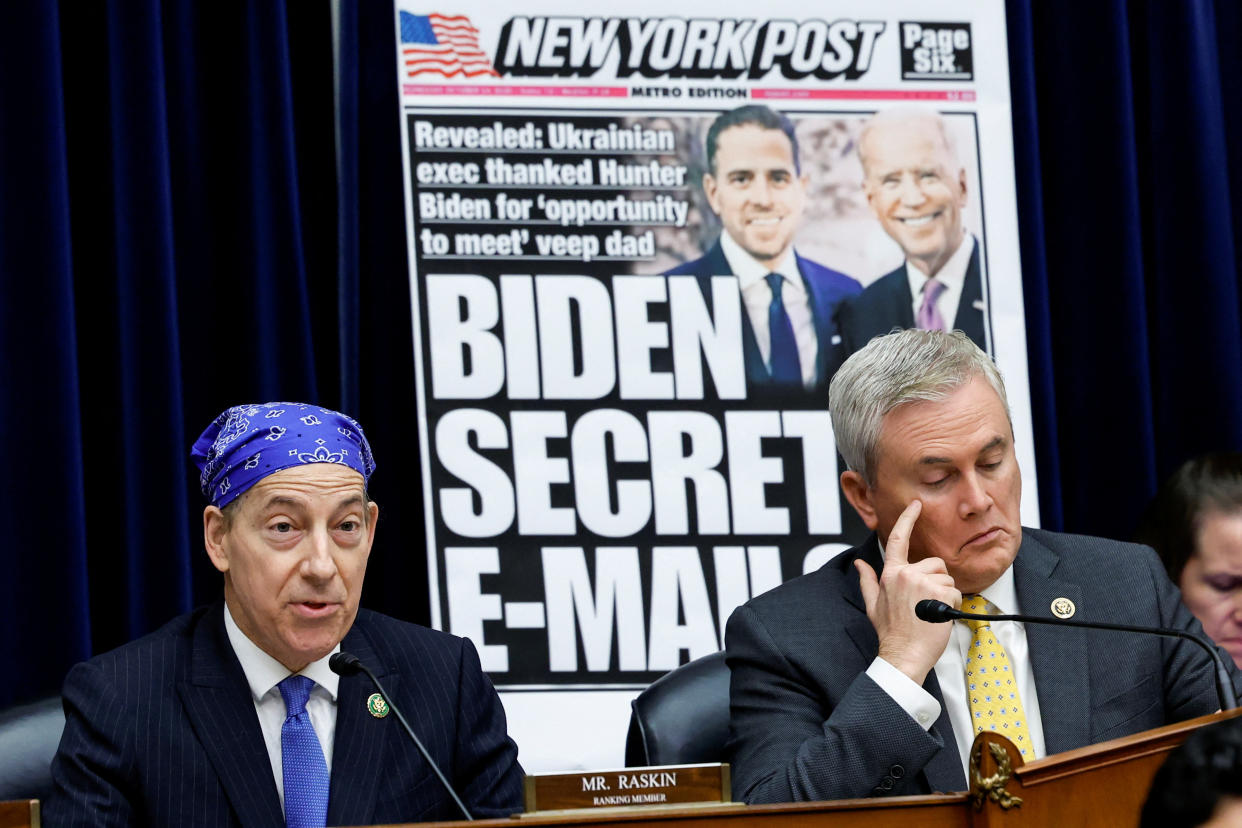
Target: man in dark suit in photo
(839, 690)
(231, 715)
(756, 186)
(916, 188)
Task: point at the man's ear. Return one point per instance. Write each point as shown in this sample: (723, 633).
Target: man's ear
(213, 537)
(858, 493)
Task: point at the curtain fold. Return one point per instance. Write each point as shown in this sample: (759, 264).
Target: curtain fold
(44, 600)
(144, 335)
(1039, 336)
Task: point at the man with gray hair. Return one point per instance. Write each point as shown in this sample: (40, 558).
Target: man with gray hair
(839, 690)
(916, 187)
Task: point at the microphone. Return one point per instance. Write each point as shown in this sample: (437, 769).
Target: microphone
(348, 664)
(936, 612)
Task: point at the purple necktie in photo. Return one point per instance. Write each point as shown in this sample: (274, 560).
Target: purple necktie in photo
(783, 362)
(305, 771)
(929, 318)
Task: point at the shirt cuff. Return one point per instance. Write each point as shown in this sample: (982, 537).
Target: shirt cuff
(910, 697)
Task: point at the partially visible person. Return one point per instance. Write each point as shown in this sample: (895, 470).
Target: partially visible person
(916, 187)
(231, 715)
(1200, 783)
(1195, 524)
(756, 186)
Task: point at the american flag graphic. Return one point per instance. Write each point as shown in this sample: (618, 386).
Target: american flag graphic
(442, 44)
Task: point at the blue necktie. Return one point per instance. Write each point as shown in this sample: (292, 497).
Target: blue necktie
(783, 362)
(305, 771)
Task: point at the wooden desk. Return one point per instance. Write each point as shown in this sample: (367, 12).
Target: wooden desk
(19, 813)
(1093, 787)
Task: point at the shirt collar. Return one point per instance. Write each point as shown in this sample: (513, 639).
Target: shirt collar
(264, 672)
(952, 275)
(749, 271)
(1002, 593)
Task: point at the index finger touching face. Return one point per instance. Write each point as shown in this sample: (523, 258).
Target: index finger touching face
(897, 549)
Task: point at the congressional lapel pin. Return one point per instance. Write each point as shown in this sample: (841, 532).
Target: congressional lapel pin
(979, 305)
(1063, 608)
(376, 706)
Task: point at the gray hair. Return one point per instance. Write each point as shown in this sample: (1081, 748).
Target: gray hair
(895, 369)
(907, 117)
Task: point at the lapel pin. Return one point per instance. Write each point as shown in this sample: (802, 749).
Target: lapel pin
(979, 305)
(1063, 607)
(376, 706)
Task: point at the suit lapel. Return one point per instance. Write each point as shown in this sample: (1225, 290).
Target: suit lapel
(969, 317)
(217, 701)
(944, 769)
(859, 627)
(900, 302)
(715, 264)
(820, 320)
(1058, 654)
(361, 739)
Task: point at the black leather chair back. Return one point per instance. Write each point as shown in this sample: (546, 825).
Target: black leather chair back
(29, 735)
(683, 717)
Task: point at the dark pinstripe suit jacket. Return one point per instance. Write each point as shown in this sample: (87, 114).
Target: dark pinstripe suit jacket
(807, 723)
(163, 731)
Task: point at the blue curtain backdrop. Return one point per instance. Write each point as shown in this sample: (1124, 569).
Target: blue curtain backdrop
(185, 223)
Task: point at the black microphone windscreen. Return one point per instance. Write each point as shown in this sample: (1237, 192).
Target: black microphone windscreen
(344, 664)
(934, 611)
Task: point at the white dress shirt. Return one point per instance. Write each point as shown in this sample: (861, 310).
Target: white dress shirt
(951, 675)
(757, 298)
(952, 276)
(263, 674)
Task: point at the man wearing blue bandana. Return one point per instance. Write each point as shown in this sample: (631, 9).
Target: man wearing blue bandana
(231, 716)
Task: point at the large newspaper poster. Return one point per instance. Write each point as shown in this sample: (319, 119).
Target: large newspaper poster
(618, 444)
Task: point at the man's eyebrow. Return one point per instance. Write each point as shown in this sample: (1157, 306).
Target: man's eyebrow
(281, 500)
(996, 442)
(999, 441)
(286, 500)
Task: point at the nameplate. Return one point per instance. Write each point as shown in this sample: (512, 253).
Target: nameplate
(628, 788)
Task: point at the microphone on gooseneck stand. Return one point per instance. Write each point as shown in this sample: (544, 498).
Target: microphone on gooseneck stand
(347, 664)
(935, 611)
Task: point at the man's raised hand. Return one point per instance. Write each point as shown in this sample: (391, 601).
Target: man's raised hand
(910, 645)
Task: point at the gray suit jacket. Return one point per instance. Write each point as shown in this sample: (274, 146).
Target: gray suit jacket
(807, 723)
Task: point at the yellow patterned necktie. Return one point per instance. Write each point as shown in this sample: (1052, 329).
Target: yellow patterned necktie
(991, 686)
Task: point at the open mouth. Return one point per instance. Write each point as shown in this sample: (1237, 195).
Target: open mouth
(315, 609)
(767, 221)
(920, 221)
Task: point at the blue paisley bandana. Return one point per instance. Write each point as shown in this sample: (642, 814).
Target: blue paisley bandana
(248, 442)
